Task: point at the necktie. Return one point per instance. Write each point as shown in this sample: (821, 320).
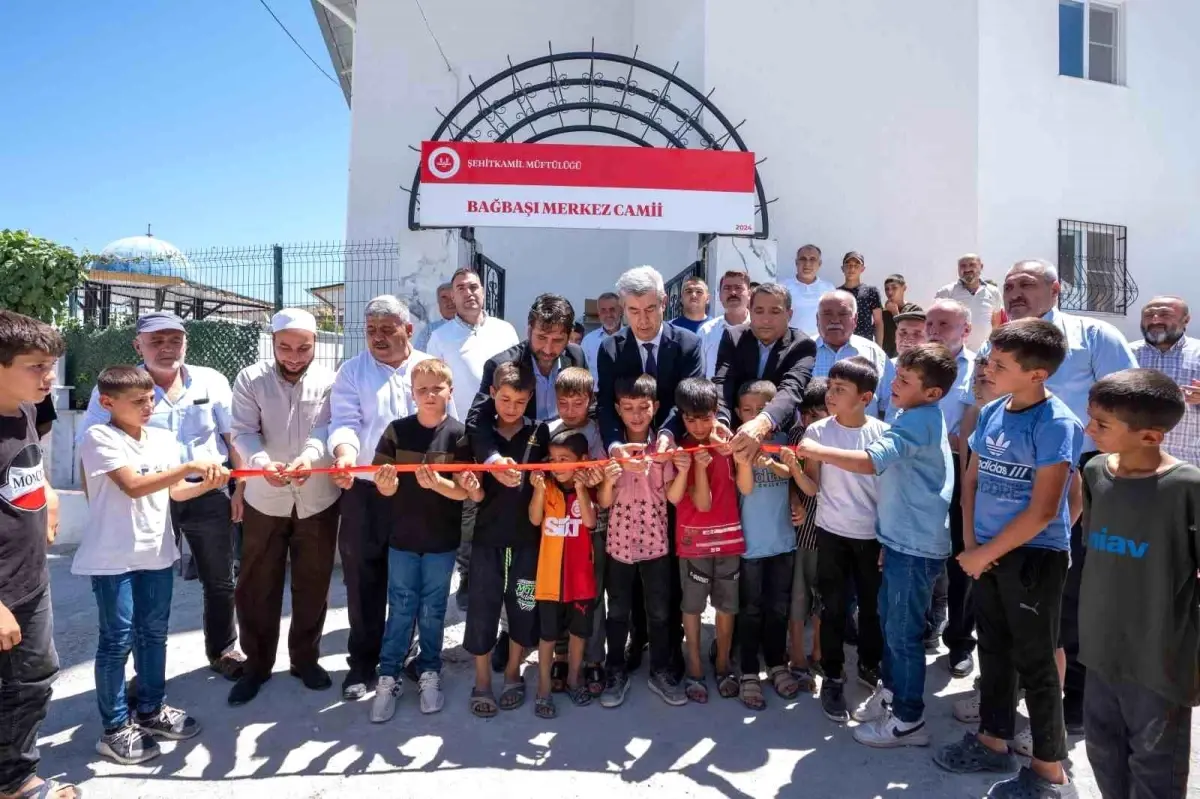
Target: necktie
(651, 363)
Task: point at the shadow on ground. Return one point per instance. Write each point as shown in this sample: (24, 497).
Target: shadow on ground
(790, 749)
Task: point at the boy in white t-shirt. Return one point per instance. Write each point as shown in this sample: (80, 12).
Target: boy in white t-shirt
(847, 549)
(132, 471)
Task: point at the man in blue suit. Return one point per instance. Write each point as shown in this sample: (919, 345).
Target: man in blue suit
(647, 345)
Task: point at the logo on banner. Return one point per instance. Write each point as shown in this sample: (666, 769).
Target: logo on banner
(24, 487)
(444, 163)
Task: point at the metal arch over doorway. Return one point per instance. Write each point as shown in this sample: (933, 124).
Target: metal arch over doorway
(564, 93)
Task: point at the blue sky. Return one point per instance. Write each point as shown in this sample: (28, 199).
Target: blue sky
(201, 118)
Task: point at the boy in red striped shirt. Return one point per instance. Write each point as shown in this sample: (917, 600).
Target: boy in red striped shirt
(708, 536)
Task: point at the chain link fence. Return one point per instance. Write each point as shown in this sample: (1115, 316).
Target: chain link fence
(226, 296)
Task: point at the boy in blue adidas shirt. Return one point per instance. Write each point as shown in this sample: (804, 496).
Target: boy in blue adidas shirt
(1016, 534)
(916, 481)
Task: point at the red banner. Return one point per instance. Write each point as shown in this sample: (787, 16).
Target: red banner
(586, 186)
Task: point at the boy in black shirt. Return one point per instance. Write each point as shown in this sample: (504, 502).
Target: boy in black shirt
(504, 551)
(28, 660)
(426, 530)
(1139, 622)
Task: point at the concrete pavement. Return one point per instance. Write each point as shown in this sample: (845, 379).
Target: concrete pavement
(291, 742)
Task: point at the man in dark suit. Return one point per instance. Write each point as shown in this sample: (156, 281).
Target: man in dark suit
(647, 345)
(767, 349)
(546, 352)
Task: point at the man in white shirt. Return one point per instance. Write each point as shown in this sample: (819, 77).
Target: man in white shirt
(608, 308)
(194, 403)
(445, 304)
(467, 341)
(280, 423)
(983, 300)
(807, 288)
(836, 316)
(734, 290)
(370, 391)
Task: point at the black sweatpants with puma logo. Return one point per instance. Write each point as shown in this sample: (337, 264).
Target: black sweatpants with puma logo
(1017, 609)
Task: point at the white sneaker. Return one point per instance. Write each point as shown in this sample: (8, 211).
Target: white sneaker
(875, 707)
(1022, 742)
(432, 698)
(967, 710)
(387, 691)
(889, 732)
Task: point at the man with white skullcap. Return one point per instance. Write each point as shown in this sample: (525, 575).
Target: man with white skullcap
(280, 423)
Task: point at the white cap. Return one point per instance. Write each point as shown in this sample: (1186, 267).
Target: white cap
(293, 319)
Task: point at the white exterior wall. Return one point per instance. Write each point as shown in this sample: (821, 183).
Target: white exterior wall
(913, 132)
(1054, 147)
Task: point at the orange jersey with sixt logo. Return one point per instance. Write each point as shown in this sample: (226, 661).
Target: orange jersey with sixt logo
(566, 570)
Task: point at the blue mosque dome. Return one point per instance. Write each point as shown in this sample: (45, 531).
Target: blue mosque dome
(144, 255)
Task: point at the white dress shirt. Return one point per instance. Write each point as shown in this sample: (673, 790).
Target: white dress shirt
(366, 397)
(641, 345)
(805, 299)
(711, 334)
(276, 421)
(591, 348)
(465, 349)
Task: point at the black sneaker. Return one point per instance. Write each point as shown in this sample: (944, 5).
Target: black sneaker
(312, 675)
(170, 723)
(931, 645)
(961, 664)
(500, 653)
(868, 676)
(833, 700)
(355, 685)
(669, 689)
(245, 689)
(128, 745)
(615, 688)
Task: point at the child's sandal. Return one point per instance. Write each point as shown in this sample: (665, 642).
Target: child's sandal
(579, 695)
(593, 676)
(804, 677)
(483, 704)
(513, 696)
(558, 677)
(696, 689)
(727, 685)
(543, 707)
(785, 684)
(750, 692)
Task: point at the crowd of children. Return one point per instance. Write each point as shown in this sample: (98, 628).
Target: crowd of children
(842, 508)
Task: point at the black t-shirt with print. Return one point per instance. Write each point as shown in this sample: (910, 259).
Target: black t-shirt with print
(868, 300)
(22, 508)
(503, 518)
(422, 520)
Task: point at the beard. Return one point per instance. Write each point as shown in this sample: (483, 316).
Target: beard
(290, 374)
(1156, 337)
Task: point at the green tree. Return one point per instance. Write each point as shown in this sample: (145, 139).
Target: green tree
(37, 275)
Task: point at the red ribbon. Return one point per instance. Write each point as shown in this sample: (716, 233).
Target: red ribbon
(483, 467)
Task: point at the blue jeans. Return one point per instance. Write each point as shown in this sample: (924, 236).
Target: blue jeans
(903, 598)
(134, 610)
(418, 589)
